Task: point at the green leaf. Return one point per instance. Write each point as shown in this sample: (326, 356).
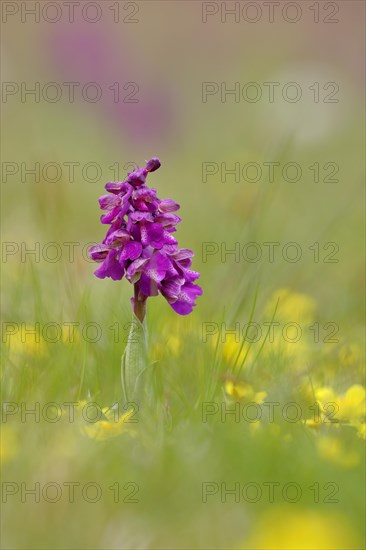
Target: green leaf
(134, 362)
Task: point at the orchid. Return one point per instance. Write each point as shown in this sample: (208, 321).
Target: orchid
(140, 245)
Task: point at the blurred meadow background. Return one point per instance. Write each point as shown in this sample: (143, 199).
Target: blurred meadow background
(190, 468)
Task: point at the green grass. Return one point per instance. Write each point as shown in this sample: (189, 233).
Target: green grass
(170, 452)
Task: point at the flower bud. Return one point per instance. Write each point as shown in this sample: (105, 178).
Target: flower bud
(153, 164)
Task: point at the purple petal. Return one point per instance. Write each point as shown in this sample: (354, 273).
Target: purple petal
(185, 302)
(111, 216)
(182, 307)
(169, 239)
(148, 286)
(168, 205)
(117, 224)
(144, 193)
(127, 190)
(110, 268)
(152, 233)
(133, 271)
(183, 253)
(131, 251)
(191, 276)
(157, 267)
(171, 288)
(138, 177)
(108, 202)
(98, 252)
(169, 249)
(172, 272)
(148, 252)
(114, 187)
(168, 220)
(138, 216)
(117, 238)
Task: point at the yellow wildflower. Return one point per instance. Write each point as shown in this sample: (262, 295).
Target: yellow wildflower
(292, 307)
(23, 343)
(301, 530)
(290, 334)
(361, 430)
(174, 345)
(8, 444)
(229, 348)
(240, 391)
(106, 429)
(348, 407)
(334, 450)
(170, 344)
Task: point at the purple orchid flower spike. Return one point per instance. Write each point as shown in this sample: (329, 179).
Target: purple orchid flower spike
(140, 244)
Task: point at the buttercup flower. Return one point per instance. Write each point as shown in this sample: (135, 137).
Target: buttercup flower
(140, 244)
(240, 391)
(337, 452)
(348, 407)
(300, 528)
(106, 429)
(8, 444)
